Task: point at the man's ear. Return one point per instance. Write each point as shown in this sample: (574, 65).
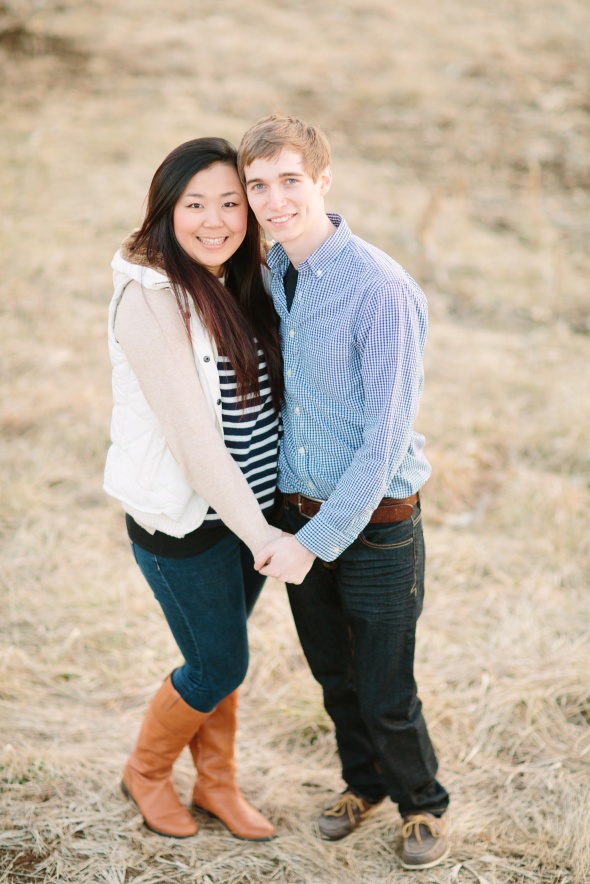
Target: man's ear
(325, 180)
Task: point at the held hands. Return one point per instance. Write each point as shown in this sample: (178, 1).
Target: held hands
(284, 559)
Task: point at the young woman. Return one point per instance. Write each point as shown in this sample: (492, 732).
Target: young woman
(197, 384)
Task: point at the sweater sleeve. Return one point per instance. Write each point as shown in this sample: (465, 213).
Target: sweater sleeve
(151, 333)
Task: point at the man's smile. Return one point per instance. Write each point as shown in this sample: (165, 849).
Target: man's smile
(282, 218)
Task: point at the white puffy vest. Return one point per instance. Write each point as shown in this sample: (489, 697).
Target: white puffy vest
(140, 469)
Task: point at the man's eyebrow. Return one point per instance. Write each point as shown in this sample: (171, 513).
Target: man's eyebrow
(282, 175)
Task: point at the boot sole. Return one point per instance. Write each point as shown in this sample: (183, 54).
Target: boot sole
(214, 816)
(128, 794)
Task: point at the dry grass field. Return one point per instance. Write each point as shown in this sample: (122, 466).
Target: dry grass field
(461, 147)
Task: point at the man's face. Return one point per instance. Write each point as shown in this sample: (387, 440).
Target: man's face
(287, 202)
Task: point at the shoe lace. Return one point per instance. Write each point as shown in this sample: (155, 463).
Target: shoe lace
(346, 804)
(412, 826)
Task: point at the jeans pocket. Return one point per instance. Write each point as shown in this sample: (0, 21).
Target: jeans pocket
(391, 535)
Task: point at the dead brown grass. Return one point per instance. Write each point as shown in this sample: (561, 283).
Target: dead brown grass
(460, 135)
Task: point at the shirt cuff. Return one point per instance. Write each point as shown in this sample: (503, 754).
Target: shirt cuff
(322, 540)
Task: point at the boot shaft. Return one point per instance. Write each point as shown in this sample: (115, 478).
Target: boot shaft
(213, 747)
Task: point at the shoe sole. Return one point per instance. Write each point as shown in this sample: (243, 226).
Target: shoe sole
(361, 820)
(416, 867)
(334, 838)
(128, 795)
(214, 816)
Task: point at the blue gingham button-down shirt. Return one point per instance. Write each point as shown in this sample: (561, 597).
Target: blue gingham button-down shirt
(352, 346)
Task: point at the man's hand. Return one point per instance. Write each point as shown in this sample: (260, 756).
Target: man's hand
(284, 559)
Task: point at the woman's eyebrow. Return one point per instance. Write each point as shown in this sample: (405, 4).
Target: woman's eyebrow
(202, 195)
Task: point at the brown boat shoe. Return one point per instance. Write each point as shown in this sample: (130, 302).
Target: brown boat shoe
(344, 815)
(426, 840)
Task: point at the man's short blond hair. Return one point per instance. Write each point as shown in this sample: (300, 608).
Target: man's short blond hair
(270, 135)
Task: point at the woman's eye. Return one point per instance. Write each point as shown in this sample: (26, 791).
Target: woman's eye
(195, 206)
(229, 205)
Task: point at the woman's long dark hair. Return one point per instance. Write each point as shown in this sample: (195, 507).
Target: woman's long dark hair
(232, 314)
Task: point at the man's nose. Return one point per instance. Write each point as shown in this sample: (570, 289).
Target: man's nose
(276, 198)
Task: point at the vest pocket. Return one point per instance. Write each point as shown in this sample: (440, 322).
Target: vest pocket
(150, 460)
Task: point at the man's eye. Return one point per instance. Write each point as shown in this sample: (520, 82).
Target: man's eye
(257, 186)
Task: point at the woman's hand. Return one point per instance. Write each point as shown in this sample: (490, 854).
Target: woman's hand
(284, 559)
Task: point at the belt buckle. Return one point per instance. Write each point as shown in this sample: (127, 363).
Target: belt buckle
(301, 497)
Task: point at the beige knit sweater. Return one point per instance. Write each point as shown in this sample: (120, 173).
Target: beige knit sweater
(153, 338)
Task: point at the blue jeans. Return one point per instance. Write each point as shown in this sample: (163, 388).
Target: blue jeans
(206, 600)
(356, 619)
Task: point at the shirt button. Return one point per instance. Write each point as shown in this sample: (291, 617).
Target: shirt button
(292, 333)
(206, 359)
(289, 372)
(219, 401)
(336, 549)
(319, 273)
(301, 450)
(297, 410)
(310, 484)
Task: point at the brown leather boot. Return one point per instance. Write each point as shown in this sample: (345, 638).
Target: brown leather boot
(168, 726)
(215, 790)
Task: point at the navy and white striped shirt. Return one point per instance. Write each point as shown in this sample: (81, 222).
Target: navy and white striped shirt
(352, 347)
(251, 435)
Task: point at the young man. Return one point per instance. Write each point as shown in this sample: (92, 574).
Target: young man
(353, 328)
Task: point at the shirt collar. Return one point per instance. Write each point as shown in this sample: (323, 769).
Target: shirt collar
(278, 260)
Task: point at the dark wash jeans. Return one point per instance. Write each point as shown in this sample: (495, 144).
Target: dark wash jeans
(206, 600)
(356, 619)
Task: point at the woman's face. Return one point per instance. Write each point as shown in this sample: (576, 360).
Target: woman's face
(211, 216)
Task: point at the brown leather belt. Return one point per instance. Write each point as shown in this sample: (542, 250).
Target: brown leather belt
(391, 509)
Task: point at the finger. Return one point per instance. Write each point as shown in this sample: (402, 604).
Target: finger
(262, 558)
